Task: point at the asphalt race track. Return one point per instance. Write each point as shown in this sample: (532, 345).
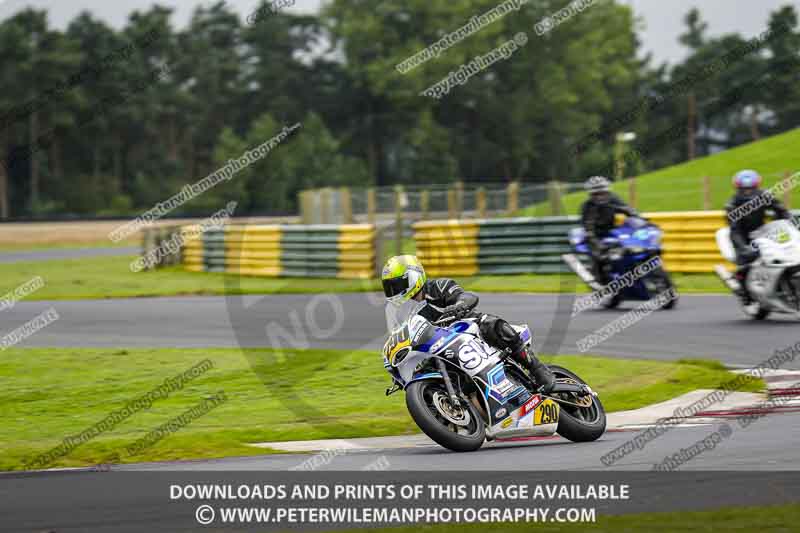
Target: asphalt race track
(752, 448)
(66, 253)
(701, 326)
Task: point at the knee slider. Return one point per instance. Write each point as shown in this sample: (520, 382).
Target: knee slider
(507, 334)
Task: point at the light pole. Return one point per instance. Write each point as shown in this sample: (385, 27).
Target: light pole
(619, 153)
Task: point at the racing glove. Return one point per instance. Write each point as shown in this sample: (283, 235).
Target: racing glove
(465, 304)
(455, 311)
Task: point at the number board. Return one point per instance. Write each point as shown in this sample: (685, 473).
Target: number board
(546, 413)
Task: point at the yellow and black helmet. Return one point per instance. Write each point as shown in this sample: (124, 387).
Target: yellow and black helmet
(403, 277)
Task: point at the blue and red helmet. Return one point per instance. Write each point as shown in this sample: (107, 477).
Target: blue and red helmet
(747, 179)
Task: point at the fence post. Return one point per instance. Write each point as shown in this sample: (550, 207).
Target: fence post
(451, 203)
(301, 205)
(480, 201)
(148, 243)
(371, 205)
(325, 208)
(459, 198)
(347, 205)
(555, 197)
(315, 206)
(425, 203)
(512, 200)
(787, 191)
(632, 192)
(706, 192)
(379, 243)
(169, 257)
(162, 232)
(398, 219)
(179, 254)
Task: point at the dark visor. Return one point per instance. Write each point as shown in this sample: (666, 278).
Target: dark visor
(394, 286)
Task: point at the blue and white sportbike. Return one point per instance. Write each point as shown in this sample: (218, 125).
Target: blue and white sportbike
(633, 265)
(461, 392)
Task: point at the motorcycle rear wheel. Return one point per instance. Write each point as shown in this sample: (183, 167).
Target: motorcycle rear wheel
(422, 398)
(665, 284)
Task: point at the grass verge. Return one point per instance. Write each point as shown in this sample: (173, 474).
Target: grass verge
(38, 246)
(111, 277)
(49, 394)
(552, 283)
(777, 518)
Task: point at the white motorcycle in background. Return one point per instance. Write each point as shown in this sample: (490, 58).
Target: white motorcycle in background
(774, 278)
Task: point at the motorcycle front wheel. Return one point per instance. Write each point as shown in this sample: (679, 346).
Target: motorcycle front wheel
(458, 428)
(755, 311)
(581, 419)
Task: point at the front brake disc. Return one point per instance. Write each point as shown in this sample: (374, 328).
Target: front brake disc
(455, 414)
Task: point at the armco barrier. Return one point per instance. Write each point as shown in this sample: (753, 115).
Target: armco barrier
(534, 245)
(448, 248)
(323, 251)
(529, 245)
(689, 241)
(500, 246)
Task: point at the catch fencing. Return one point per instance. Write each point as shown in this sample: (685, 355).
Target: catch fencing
(430, 202)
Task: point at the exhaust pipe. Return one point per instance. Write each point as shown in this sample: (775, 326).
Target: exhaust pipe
(575, 264)
(728, 279)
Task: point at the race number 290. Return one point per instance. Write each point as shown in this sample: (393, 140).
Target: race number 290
(546, 413)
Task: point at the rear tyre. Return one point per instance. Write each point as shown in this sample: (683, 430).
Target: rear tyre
(428, 404)
(665, 284)
(578, 424)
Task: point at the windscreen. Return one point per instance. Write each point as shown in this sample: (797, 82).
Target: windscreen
(636, 222)
(396, 316)
(779, 231)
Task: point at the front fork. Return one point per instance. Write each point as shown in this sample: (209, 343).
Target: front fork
(451, 392)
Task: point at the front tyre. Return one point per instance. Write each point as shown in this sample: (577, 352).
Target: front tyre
(582, 419)
(755, 311)
(460, 429)
(612, 302)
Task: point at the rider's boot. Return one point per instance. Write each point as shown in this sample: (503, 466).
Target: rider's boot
(505, 337)
(541, 373)
(543, 376)
(741, 277)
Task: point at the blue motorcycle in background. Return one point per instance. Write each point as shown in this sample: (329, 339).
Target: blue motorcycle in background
(635, 269)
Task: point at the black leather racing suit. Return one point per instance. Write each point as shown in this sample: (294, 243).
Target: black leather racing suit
(598, 221)
(445, 295)
(746, 214)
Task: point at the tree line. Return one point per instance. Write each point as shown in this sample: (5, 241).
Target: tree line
(97, 121)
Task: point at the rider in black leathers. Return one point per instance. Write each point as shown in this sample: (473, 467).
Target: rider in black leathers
(445, 297)
(597, 218)
(747, 212)
(404, 278)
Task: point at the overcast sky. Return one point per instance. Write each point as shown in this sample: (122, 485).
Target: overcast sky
(662, 18)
